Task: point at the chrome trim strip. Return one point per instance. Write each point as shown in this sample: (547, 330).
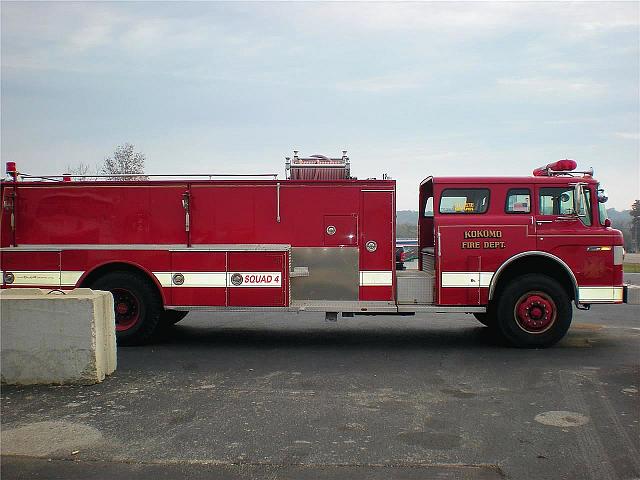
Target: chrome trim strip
(201, 308)
(38, 248)
(238, 247)
(496, 276)
(439, 309)
(301, 306)
(344, 306)
(243, 247)
(31, 249)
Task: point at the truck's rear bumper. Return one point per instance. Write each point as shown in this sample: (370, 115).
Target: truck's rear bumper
(631, 294)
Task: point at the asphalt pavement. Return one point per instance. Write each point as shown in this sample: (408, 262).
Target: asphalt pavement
(289, 396)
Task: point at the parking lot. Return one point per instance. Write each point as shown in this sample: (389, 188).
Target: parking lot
(290, 396)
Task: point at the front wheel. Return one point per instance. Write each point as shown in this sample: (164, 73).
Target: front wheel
(137, 305)
(171, 317)
(488, 318)
(534, 311)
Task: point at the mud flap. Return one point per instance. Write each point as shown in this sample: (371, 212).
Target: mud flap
(631, 294)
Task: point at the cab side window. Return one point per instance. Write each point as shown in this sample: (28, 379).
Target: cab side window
(464, 200)
(428, 208)
(556, 201)
(518, 201)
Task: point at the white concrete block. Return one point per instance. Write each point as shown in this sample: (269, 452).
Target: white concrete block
(55, 338)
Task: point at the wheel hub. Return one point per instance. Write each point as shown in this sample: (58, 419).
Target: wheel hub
(122, 308)
(535, 312)
(127, 309)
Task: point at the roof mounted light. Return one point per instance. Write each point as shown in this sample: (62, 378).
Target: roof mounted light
(565, 165)
(12, 170)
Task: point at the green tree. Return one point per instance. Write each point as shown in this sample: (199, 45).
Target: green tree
(635, 226)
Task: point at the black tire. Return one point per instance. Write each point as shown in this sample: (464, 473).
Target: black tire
(534, 311)
(488, 319)
(140, 321)
(171, 317)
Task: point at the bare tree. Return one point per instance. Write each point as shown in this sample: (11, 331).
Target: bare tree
(82, 169)
(125, 160)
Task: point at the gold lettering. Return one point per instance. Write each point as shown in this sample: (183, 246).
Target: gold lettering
(483, 234)
(494, 245)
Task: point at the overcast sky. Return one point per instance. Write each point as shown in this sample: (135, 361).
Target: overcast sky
(409, 89)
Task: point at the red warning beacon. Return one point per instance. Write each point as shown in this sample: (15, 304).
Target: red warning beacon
(565, 165)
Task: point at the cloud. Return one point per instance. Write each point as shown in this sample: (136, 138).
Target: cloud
(549, 86)
(627, 135)
(464, 19)
(381, 84)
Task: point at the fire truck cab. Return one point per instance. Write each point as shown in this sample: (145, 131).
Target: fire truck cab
(513, 251)
(523, 247)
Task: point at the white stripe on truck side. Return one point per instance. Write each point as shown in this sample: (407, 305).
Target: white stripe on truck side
(466, 279)
(376, 278)
(64, 278)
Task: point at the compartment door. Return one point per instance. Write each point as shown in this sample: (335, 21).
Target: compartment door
(340, 230)
(377, 245)
(257, 279)
(36, 269)
(198, 278)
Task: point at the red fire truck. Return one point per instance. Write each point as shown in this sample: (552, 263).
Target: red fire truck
(513, 251)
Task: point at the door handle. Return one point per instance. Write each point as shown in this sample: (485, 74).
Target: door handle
(540, 222)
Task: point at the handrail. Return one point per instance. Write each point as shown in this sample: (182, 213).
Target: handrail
(146, 175)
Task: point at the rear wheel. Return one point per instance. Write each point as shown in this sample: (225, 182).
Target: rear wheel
(171, 317)
(137, 305)
(534, 311)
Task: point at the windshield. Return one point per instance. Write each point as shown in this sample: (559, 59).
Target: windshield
(602, 208)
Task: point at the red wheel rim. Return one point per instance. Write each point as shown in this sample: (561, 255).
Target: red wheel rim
(535, 312)
(127, 309)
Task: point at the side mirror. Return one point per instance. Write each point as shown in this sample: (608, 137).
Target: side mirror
(578, 204)
(602, 197)
(607, 223)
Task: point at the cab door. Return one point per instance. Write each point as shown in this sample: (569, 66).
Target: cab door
(462, 212)
(479, 228)
(565, 229)
(559, 229)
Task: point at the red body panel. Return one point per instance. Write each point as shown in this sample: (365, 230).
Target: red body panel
(261, 270)
(248, 228)
(200, 262)
(145, 223)
(344, 228)
(99, 214)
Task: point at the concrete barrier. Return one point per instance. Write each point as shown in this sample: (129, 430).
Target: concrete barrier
(56, 338)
